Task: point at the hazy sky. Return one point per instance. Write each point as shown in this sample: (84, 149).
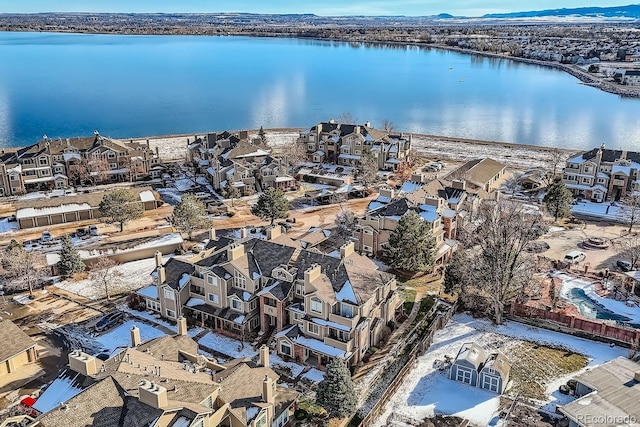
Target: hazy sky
(318, 7)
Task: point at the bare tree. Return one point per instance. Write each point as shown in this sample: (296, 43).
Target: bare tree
(387, 125)
(346, 118)
(293, 153)
(556, 158)
(345, 222)
(99, 169)
(135, 167)
(630, 210)
(21, 268)
(79, 172)
(105, 274)
(497, 267)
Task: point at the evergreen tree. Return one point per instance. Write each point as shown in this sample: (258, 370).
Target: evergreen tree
(366, 171)
(70, 261)
(189, 215)
(271, 205)
(411, 245)
(263, 135)
(558, 199)
(336, 392)
(120, 206)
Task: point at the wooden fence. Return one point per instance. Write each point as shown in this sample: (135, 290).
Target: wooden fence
(419, 348)
(593, 329)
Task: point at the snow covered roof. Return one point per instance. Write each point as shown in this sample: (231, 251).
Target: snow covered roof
(347, 293)
(349, 156)
(35, 180)
(69, 156)
(192, 302)
(621, 169)
(149, 292)
(147, 196)
(410, 186)
(33, 212)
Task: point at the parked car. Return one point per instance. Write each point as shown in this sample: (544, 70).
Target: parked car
(109, 321)
(81, 232)
(624, 265)
(575, 257)
(93, 230)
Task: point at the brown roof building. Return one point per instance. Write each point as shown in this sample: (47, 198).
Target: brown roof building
(17, 349)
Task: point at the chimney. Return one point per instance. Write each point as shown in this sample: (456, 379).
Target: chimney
(82, 363)
(367, 124)
(148, 145)
(235, 251)
(267, 390)
(311, 274)
(212, 234)
(459, 184)
(264, 356)
(243, 135)
(387, 192)
(135, 336)
(243, 233)
(158, 256)
(182, 326)
(346, 250)
(152, 394)
(636, 376)
(273, 232)
(162, 275)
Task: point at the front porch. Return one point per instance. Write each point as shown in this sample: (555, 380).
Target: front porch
(222, 321)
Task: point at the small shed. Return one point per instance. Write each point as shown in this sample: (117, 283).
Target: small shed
(494, 375)
(468, 363)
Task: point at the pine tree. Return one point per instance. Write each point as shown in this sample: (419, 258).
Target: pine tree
(120, 206)
(70, 261)
(189, 215)
(411, 245)
(336, 392)
(558, 199)
(231, 192)
(271, 205)
(263, 135)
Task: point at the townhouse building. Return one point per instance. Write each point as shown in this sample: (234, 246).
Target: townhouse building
(60, 163)
(603, 175)
(236, 160)
(344, 144)
(333, 305)
(165, 382)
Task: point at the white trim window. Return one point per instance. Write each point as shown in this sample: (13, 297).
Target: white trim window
(169, 294)
(490, 383)
(313, 328)
(171, 313)
(285, 348)
(236, 304)
(214, 298)
(315, 305)
(239, 280)
(463, 375)
(212, 280)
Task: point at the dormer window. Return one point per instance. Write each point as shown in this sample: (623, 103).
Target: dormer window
(236, 304)
(316, 305)
(239, 280)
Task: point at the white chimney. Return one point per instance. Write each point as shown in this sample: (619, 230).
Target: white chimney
(347, 249)
(162, 275)
(158, 256)
(273, 232)
(82, 363)
(243, 233)
(135, 336)
(212, 233)
(152, 394)
(182, 326)
(264, 356)
(267, 390)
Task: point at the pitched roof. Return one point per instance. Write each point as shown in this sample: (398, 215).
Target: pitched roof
(480, 171)
(174, 269)
(92, 198)
(168, 347)
(13, 339)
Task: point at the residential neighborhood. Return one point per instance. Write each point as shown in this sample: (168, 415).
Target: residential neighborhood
(142, 305)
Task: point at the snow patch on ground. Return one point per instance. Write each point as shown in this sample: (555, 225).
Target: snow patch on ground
(158, 320)
(314, 375)
(132, 276)
(7, 226)
(295, 368)
(427, 391)
(121, 336)
(227, 346)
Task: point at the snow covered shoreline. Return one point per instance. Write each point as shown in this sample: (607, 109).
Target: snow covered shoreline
(174, 148)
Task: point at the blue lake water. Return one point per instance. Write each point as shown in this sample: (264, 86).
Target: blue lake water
(65, 85)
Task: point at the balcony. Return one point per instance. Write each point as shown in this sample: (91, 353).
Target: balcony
(346, 321)
(345, 346)
(196, 290)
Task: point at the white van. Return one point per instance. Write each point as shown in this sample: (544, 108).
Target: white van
(574, 257)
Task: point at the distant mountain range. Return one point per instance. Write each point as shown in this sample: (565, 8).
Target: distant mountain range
(631, 11)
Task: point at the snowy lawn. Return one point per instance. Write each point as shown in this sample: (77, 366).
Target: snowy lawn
(158, 320)
(606, 211)
(121, 335)
(132, 276)
(7, 226)
(227, 346)
(293, 368)
(314, 375)
(426, 391)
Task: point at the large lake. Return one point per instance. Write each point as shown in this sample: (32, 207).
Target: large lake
(65, 85)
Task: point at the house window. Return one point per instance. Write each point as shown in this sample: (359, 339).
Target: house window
(169, 294)
(13, 177)
(366, 248)
(236, 305)
(214, 298)
(239, 280)
(253, 304)
(253, 324)
(346, 310)
(111, 155)
(490, 383)
(171, 314)
(262, 421)
(316, 305)
(43, 161)
(113, 166)
(298, 289)
(153, 305)
(313, 328)
(297, 316)
(212, 280)
(285, 348)
(463, 375)
(368, 232)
